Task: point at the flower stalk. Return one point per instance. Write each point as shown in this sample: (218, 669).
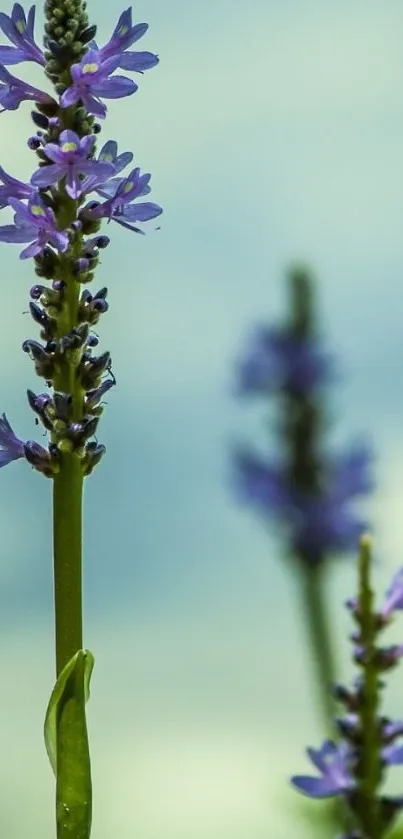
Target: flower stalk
(59, 228)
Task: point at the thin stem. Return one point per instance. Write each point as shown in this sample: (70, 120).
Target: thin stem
(319, 636)
(67, 512)
(369, 770)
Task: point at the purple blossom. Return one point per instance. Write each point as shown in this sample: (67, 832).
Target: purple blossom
(12, 188)
(319, 523)
(120, 207)
(90, 82)
(34, 223)
(11, 448)
(123, 36)
(13, 91)
(394, 595)
(20, 31)
(278, 361)
(332, 761)
(109, 154)
(70, 161)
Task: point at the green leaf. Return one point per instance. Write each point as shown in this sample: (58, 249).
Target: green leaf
(66, 742)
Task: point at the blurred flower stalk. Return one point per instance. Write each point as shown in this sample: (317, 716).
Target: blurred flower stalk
(302, 487)
(60, 230)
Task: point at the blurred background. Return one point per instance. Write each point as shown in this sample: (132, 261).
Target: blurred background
(274, 132)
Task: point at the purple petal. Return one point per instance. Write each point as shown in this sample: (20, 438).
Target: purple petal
(69, 97)
(73, 184)
(47, 175)
(115, 87)
(32, 250)
(10, 233)
(124, 23)
(12, 55)
(122, 161)
(109, 151)
(142, 212)
(93, 105)
(138, 61)
(86, 144)
(31, 23)
(8, 27)
(315, 787)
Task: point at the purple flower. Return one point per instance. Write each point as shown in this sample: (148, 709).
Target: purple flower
(109, 154)
(120, 207)
(20, 31)
(11, 448)
(12, 188)
(318, 523)
(13, 91)
(321, 526)
(331, 761)
(90, 81)
(123, 36)
(394, 595)
(70, 161)
(34, 223)
(278, 361)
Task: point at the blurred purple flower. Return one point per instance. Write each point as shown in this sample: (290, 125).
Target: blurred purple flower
(70, 161)
(20, 31)
(123, 36)
(332, 761)
(34, 223)
(91, 81)
(318, 524)
(13, 91)
(278, 361)
(11, 448)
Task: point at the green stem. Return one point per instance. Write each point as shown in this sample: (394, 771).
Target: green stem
(312, 586)
(67, 512)
(315, 615)
(369, 770)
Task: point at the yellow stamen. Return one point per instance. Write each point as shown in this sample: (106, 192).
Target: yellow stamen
(69, 147)
(90, 68)
(36, 210)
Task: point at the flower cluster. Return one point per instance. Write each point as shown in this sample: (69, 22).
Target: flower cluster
(58, 214)
(353, 769)
(306, 489)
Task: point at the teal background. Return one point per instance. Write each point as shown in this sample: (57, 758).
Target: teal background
(274, 132)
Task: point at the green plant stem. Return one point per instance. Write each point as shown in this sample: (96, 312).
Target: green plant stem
(67, 511)
(369, 768)
(312, 586)
(319, 637)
